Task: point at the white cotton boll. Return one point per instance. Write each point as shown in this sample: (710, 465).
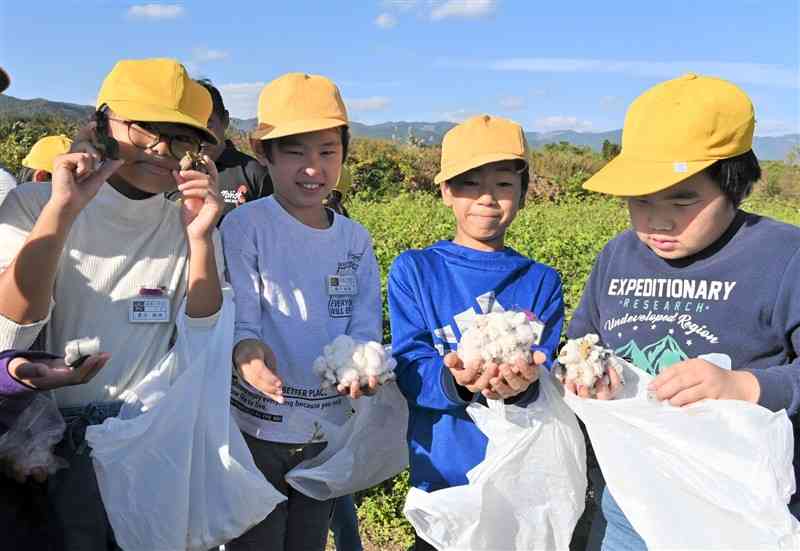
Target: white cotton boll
(79, 348)
(374, 363)
(320, 366)
(524, 334)
(587, 363)
(347, 361)
(519, 319)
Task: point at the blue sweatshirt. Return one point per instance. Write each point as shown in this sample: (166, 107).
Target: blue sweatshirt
(739, 298)
(433, 294)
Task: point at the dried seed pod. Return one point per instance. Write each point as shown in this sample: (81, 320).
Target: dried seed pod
(193, 161)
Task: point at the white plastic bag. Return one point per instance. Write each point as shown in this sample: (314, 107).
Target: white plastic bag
(173, 469)
(714, 475)
(28, 444)
(528, 492)
(368, 449)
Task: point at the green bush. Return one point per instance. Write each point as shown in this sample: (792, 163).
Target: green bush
(17, 136)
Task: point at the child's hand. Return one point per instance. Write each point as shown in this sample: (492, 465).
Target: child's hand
(76, 179)
(474, 376)
(604, 389)
(257, 364)
(17, 473)
(202, 203)
(355, 391)
(515, 379)
(54, 373)
(693, 380)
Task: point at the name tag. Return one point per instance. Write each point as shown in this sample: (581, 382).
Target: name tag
(342, 285)
(149, 307)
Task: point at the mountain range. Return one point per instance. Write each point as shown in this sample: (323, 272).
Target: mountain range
(654, 357)
(766, 147)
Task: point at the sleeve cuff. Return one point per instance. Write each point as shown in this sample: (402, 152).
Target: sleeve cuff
(19, 336)
(776, 390)
(451, 389)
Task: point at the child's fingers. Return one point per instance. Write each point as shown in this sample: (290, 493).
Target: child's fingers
(570, 386)
(539, 357)
(512, 380)
(615, 379)
(501, 387)
(689, 396)
(489, 371)
(31, 370)
(91, 366)
(452, 361)
(355, 390)
(583, 391)
(603, 390)
(491, 395)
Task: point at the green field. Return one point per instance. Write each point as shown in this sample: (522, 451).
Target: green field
(566, 235)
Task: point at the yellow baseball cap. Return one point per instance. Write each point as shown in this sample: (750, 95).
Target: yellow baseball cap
(296, 103)
(478, 141)
(156, 90)
(674, 130)
(44, 152)
(4, 80)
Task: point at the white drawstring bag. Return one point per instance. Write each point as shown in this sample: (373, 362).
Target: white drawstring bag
(713, 475)
(368, 449)
(173, 469)
(528, 492)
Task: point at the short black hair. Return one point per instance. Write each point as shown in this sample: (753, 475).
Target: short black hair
(735, 176)
(525, 178)
(216, 97)
(266, 145)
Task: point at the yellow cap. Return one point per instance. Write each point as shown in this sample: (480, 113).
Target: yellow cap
(345, 181)
(44, 152)
(674, 130)
(296, 103)
(478, 141)
(156, 90)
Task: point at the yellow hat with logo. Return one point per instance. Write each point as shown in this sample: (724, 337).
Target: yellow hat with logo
(296, 103)
(44, 152)
(675, 130)
(478, 141)
(156, 90)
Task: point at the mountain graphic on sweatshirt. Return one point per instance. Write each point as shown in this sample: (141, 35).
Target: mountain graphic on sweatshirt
(654, 357)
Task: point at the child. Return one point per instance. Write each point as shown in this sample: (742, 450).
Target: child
(38, 163)
(434, 293)
(695, 275)
(80, 258)
(302, 275)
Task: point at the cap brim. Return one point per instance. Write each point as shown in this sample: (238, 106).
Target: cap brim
(156, 113)
(455, 169)
(295, 127)
(626, 177)
(4, 80)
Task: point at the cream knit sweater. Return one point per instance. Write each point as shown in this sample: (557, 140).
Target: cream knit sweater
(115, 247)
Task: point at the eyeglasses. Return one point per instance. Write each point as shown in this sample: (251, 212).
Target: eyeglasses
(145, 136)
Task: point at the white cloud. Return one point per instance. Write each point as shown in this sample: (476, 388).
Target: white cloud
(776, 127)
(156, 11)
(751, 73)
(512, 103)
(241, 98)
(457, 116)
(202, 55)
(464, 9)
(386, 21)
(374, 103)
(559, 122)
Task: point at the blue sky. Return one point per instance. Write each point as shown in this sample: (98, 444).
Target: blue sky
(552, 65)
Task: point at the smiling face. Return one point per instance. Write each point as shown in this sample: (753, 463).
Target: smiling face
(304, 169)
(484, 201)
(149, 169)
(682, 220)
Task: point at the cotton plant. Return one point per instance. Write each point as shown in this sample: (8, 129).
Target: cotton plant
(500, 337)
(584, 361)
(345, 361)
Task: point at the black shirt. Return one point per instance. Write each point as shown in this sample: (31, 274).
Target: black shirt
(241, 179)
